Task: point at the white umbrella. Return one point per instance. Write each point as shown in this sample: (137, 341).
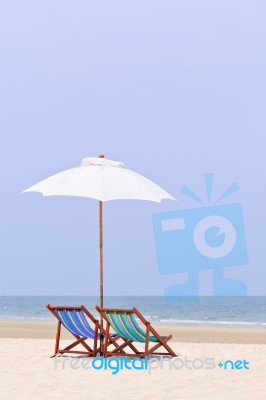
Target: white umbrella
(104, 180)
(101, 179)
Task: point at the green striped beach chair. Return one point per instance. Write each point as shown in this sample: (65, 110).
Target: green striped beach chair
(131, 326)
(82, 325)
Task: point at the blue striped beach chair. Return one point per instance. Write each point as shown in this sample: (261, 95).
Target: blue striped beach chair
(82, 325)
(131, 326)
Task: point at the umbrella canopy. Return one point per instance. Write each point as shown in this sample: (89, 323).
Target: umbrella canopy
(101, 179)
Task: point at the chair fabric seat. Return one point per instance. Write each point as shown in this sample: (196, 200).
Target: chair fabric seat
(126, 325)
(76, 322)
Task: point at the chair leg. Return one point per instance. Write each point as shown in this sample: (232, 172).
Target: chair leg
(112, 341)
(80, 340)
(120, 348)
(147, 338)
(57, 338)
(162, 342)
(106, 339)
(95, 342)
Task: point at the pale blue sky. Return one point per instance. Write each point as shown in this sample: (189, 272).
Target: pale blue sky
(172, 88)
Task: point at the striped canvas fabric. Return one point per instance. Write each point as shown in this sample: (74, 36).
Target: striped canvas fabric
(76, 322)
(126, 325)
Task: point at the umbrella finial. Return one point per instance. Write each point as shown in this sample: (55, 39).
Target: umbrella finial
(101, 155)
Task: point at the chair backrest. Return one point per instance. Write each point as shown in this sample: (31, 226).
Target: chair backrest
(74, 319)
(125, 324)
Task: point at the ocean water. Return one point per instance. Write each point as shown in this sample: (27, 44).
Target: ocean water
(233, 311)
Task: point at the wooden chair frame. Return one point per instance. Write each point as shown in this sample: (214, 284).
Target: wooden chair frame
(80, 340)
(149, 350)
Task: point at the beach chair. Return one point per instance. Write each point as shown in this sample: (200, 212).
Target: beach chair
(125, 324)
(82, 325)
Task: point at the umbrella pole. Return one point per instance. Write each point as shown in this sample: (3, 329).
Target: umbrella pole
(101, 272)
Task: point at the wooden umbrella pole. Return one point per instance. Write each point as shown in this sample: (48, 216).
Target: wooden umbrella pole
(101, 273)
(101, 268)
(101, 251)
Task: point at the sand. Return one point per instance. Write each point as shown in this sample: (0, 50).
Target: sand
(181, 333)
(27, 371)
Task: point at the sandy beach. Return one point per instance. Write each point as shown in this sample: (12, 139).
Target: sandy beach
(28, 372)
(181, 333)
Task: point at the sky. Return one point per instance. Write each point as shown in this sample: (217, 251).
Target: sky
(174, 89)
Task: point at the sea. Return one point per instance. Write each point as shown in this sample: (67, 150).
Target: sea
(227, 311)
